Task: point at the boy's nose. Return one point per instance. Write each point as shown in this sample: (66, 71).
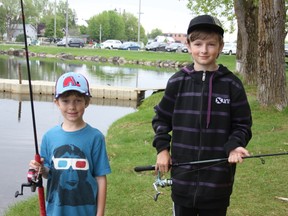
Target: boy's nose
(204, 49)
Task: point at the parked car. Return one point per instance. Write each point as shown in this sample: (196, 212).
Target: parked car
(173, 47)
(286, 50)
(229, 49)
(156, 46)
(111, 44)
(61, 43)
(76, 42)
(129, 46)
(184, 49)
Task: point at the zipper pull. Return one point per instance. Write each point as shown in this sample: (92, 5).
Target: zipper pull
(204, 76)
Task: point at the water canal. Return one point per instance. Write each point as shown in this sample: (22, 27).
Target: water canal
(16, 132)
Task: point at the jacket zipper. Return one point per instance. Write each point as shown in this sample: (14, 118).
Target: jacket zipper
(201, 108)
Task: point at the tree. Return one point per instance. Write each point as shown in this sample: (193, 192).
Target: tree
(116, 26)
(2, 22)
(271, 67)
(49, 15)
(154, 33)
(247, 12)
(251, 33)
(112, 25)
(83, 29)
(95, 26)
(11, 14)
(131, 27)
(48, 21)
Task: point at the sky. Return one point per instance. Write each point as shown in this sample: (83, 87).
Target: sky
(166, 15)
(170, 16)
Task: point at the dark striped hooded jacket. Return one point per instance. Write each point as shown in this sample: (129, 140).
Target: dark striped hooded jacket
(209, 115)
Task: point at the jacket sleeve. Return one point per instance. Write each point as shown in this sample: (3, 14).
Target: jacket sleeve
(241, 119)
(162, 121)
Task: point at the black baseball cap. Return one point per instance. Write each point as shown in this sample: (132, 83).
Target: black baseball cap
(205, 21)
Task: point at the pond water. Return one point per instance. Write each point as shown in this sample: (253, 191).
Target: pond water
(97, 74)
(16, 129)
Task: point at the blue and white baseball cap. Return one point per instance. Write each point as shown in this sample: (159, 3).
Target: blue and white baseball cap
(72, 81)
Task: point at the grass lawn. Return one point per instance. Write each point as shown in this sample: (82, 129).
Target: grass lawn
(129, 144)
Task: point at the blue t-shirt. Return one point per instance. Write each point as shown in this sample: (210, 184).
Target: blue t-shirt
(74, 159)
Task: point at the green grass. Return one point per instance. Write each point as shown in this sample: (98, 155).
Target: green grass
(129, 144)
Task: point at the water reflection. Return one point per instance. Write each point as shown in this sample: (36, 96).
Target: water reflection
(97, 74)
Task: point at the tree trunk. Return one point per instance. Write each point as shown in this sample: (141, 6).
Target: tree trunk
(271, 60)
(246, 60)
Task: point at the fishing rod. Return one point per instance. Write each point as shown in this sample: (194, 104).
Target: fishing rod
(34, 178)
(152, 167)
(168, 182)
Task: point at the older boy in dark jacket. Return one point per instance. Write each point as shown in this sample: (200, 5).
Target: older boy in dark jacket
(206, 108)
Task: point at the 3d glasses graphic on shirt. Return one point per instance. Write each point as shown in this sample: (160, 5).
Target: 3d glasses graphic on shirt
(66, 163)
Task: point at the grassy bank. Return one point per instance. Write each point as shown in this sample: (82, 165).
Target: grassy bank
(129, 144)
(128, 55)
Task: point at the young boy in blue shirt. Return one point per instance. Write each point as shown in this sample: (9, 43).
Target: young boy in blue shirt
(74, 156)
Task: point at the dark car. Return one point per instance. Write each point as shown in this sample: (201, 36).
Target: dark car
(156, 46)
(286, 50)
(129, 46)
(173, 47)
(76, 42)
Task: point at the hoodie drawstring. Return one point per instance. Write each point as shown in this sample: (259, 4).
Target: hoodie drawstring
(209, 100)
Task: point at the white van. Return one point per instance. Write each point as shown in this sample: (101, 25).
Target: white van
(229, 48)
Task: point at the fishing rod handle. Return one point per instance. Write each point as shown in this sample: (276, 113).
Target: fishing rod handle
(41, 197)
(144, 168)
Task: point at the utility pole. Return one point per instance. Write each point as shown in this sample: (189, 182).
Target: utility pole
(139, 22)
(55, 19)
(66, 30)
(100, 34)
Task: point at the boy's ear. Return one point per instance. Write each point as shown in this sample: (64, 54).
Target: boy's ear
(188, 47)
(56, 102)
(87, 102)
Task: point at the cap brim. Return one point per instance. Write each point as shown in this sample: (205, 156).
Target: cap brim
(70, 89)
(215, 28)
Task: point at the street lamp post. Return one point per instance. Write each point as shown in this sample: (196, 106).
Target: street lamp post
(139, 22)
(66, 30)
(100, 34)
(55, 19)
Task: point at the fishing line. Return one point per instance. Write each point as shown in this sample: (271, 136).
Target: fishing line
(34, 179)
(29, 80)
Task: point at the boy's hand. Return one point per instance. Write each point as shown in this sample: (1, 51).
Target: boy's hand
(163, 162)
(38, 167)
(236, 155)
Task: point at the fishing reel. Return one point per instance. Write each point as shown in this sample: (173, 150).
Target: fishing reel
(160, 183)
(33, 181)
